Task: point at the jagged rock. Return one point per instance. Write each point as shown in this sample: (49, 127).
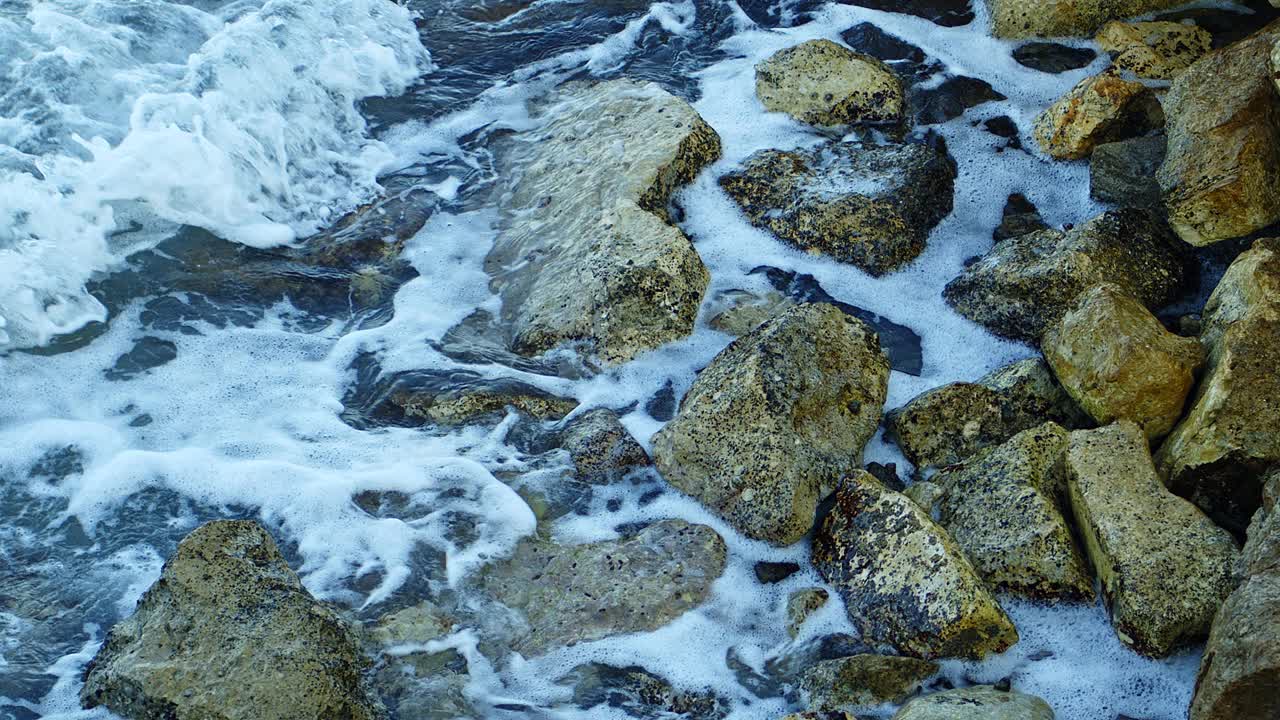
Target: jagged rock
(1003, 507)
(577, 593)
(1065, 18)
(800, 605)
(860, 681)
(981, 702)
(1164, 567)
(585, 251)
(1221, 178)
(822, 83)
(1020, 217)
(1051, 57)
(640, 693)
(868, 205)
(1124, 172)
(1118, 362)
(945, 425)
(1100, 109)
(1025, 284)
(1154, 50)
(1240, 671)
(775, 420)
(228, 631)
(602, 450)
(1217, 454)
(904, 581)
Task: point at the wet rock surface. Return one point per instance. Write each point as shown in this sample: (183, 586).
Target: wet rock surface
(640, 693)
(1053, 57)
(228, 631)
(904, 581)
(572, 594)
(868, 205)
(822, 83)
(1020, 217)
(981, 702)
(1025, 284)
(947, 13)
(1124, 172)
(1165, 568)
(1158, 50)
(775, 419)
(861, 681)
(602, 450)
(1028, 18)
(801, 604)
(631, 144)
(1100, 109)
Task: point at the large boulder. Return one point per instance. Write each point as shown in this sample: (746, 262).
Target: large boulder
(576, 593)
(863, 681)
(586, 252)
(1240, 672)
(1026, 284)
(1165, 568)
(1217, 455)
(776, 419)
(1061, 18)
(981, 702)
(1100, 109)
(1159, 50)
(822, 83)
(868, 205)
(1221, 178)
(904, 581)
(947, 424)
(1118, 362)
(1004, 509)
(228, 631)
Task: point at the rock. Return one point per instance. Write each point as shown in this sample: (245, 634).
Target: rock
(1020, 217)
(947, 13)
(1154, 50)
(931, 104)
(640, 693)
(925, 494)
(904, 581)
(1067, 18)
(415, 624)
(1164, 567)
(814, 715)
(887, 474)
(1003, 508)
(1025, 284)
(908, 61)
(228, 631)
(1221, 178)
(1124, 172)
(800, 605)
(1051, 57)
(775, 572)
(572, 594)
(586, 252)
(1100, 109)
(602, 449)
(868, 205)
(1240, 669)
(462, 398)
(863, 681)
(776, 419)
(747, 311)
(1003, 126)
(821, 83)
(980, 702)
(1119, 363)
(1217, 454)
(945, 425)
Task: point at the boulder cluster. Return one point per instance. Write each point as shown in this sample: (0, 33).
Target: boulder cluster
(1138, 456)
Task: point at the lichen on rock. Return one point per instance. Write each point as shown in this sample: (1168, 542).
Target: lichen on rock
(823, 83)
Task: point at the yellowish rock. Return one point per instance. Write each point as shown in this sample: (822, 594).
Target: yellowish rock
(1064, 18)
(822, 83)
(981, 702)
(860, 681)
(1154, 50)
(1118, 362)
(1100, 109)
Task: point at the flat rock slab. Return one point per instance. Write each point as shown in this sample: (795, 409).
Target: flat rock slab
(586, 252)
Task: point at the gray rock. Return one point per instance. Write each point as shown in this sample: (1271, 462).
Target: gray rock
(776, 419)
(862, 681)
(1124, 172)
(1019, 218)
(228, 631)
(822, 83)
(981, 702)
(871, 206)
(800, 605)
(1025, 284)
(572, 594)
(1055, 58)
(640, 693)
(1100, 109)
(602, 449)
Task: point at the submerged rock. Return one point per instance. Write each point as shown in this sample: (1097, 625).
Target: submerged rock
(640, 693)
(868, 205)
(1124, 172)
(1217, 454)
(572, 594)
(801, 604)
(1064, 18)
(1221, 178)
(776, 419)
(1154, 50)
(1051, 57)
(981, 702)
(1100, 109)
(1164, 567)
(822, 83)
(1004, 509)
(904, 581)
(585, 251)
(1025, 284)
(228, 631)
(947, 13)
(1119, 363)
(1020, 217)
(860, 681)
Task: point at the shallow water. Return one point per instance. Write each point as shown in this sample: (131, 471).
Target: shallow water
(167, 361)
